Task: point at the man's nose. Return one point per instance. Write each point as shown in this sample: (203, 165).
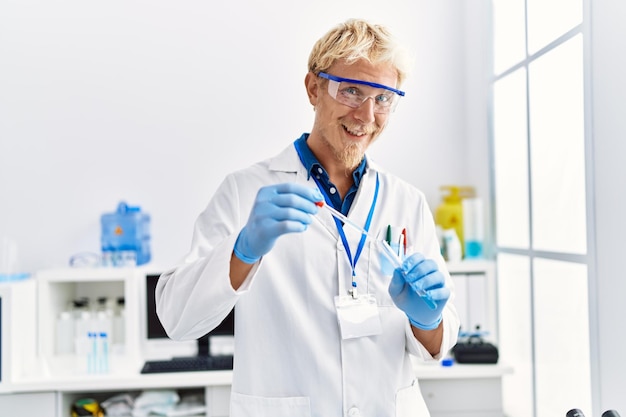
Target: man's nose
(365, 112)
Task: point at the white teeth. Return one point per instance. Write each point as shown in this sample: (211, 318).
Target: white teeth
(353, 132)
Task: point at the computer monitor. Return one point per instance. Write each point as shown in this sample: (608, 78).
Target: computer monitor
(220, 337)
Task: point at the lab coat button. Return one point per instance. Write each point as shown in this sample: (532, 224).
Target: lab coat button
(354, 412)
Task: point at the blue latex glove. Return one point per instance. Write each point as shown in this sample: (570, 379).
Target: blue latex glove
(277, 210)
(424, 274)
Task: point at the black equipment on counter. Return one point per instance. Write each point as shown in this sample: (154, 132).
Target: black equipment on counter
(475, 350)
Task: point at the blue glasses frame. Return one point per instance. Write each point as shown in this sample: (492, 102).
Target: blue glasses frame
(350, 80)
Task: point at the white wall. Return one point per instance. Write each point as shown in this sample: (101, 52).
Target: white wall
(608, 61)
(476, 52)
(154, 102)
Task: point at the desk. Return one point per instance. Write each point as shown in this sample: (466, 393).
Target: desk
(25, 396)
(44, 386)
(463, 390)
(456, 391)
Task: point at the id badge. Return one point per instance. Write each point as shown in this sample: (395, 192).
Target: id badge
(358, 317)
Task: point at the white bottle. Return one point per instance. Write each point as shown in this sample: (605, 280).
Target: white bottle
(82, 330)
(92, 352)
(102, 355)
(473, 227)
(65, 334)
(452, 246)
(119, 325)
(103, 323)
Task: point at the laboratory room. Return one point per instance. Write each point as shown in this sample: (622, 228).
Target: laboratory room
(449, 248)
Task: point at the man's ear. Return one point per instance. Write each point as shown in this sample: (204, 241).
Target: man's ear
(311, 82)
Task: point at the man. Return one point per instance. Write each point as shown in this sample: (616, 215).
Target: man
(324, 327)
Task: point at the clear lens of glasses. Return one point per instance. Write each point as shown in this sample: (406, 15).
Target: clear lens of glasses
(353, 95)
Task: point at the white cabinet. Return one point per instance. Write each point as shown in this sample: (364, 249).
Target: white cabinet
(215, 389)
(55, 395)
(64, 378)
(462, 390)
(468, 390)
(57, 289)
(463, 398)
(40, 404)
(18, 329)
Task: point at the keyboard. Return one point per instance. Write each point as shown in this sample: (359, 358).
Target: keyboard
(189, 364)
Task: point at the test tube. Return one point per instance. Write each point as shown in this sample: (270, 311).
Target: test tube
(384, 248)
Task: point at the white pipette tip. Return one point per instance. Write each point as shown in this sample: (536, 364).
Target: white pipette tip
(343, 218)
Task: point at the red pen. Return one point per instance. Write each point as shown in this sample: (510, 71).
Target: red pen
(404, 239)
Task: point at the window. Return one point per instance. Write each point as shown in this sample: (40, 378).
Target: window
(540, 197)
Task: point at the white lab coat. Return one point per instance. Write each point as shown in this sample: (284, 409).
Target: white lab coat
(290, 359)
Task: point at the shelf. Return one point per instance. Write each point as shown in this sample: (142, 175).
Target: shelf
(133, 380)
(461, 371)
(470, 266)
(85, 274)
(58, 287)
(120, 382)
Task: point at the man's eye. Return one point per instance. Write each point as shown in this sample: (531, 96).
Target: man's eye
(384, 99)
(351, 91)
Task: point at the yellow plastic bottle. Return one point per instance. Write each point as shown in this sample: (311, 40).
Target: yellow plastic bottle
(449, 214)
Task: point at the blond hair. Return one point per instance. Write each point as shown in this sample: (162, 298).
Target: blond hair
(358, 39)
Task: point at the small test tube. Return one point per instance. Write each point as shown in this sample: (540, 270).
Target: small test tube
(397, 263)
(384, 248)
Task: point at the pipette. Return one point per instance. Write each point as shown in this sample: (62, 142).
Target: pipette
(344, 218)
(384, 248)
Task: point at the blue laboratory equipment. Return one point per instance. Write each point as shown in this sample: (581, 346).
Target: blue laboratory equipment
(125, 237)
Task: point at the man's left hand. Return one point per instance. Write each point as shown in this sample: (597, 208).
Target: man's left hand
(419, 273)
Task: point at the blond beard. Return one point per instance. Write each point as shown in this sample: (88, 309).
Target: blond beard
(351, 156)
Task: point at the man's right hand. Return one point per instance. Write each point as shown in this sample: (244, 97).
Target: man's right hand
(278, 209)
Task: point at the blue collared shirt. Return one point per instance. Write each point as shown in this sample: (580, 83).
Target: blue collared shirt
(315, 169)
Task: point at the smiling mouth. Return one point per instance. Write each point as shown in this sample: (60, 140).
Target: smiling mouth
(357, 133)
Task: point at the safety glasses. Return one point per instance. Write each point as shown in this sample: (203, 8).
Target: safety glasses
(353, 93)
